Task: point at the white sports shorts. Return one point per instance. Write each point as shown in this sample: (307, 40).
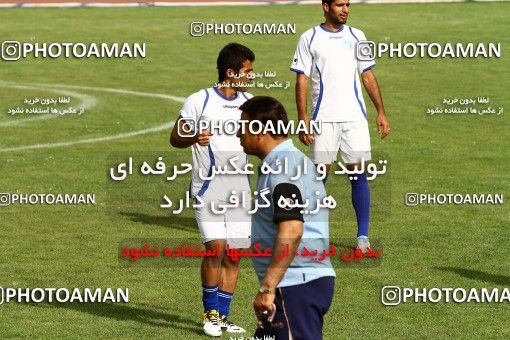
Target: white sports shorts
(352, 138)
(234, 225)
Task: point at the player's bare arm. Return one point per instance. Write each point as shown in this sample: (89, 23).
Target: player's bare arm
(373, 90)
(301, 103)
(289, 232)
(178, 140)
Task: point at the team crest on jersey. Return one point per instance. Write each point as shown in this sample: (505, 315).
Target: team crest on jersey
(347, 45)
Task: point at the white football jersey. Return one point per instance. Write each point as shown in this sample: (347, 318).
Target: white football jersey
(329, 59)
(210, 105)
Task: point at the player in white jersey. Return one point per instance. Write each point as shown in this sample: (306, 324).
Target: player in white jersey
(215, 106)
(326, 57)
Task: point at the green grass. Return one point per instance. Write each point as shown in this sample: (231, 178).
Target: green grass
(424, 246)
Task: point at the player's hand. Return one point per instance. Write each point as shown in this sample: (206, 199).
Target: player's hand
(383, 125)
(263, 305)
(204, 138)
(306, 139)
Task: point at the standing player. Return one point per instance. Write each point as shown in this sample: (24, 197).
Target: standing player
(326, 54)
(215, 105)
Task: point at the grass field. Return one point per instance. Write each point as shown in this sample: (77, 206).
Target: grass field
(77, 246)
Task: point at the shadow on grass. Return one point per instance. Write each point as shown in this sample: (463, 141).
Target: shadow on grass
(122, 312)
(478, 275)
(174, 222)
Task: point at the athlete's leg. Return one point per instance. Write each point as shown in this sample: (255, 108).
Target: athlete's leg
(360, 194)
(227, 284)
(238, 228)
(355, 147)
(213, 233)
(210, 274)
(211, 265)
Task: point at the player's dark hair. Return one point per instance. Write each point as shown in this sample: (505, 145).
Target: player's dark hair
(327, 2)
(266, 109)
(232, 56)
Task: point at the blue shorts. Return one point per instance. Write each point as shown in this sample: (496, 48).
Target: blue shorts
(300, 311)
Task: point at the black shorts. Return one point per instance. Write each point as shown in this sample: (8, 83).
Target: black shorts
(300, 311)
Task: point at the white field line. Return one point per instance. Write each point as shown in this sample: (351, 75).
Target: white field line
(51, 87)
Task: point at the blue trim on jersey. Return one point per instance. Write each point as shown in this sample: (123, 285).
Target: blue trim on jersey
(311, 40)
(222, 96)
(206, 100)
(330, 31)
(321, 91)
(368, 68)
(244, 95)
(354, 35)
(296, 70)
(357, 97)
(206, 183)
